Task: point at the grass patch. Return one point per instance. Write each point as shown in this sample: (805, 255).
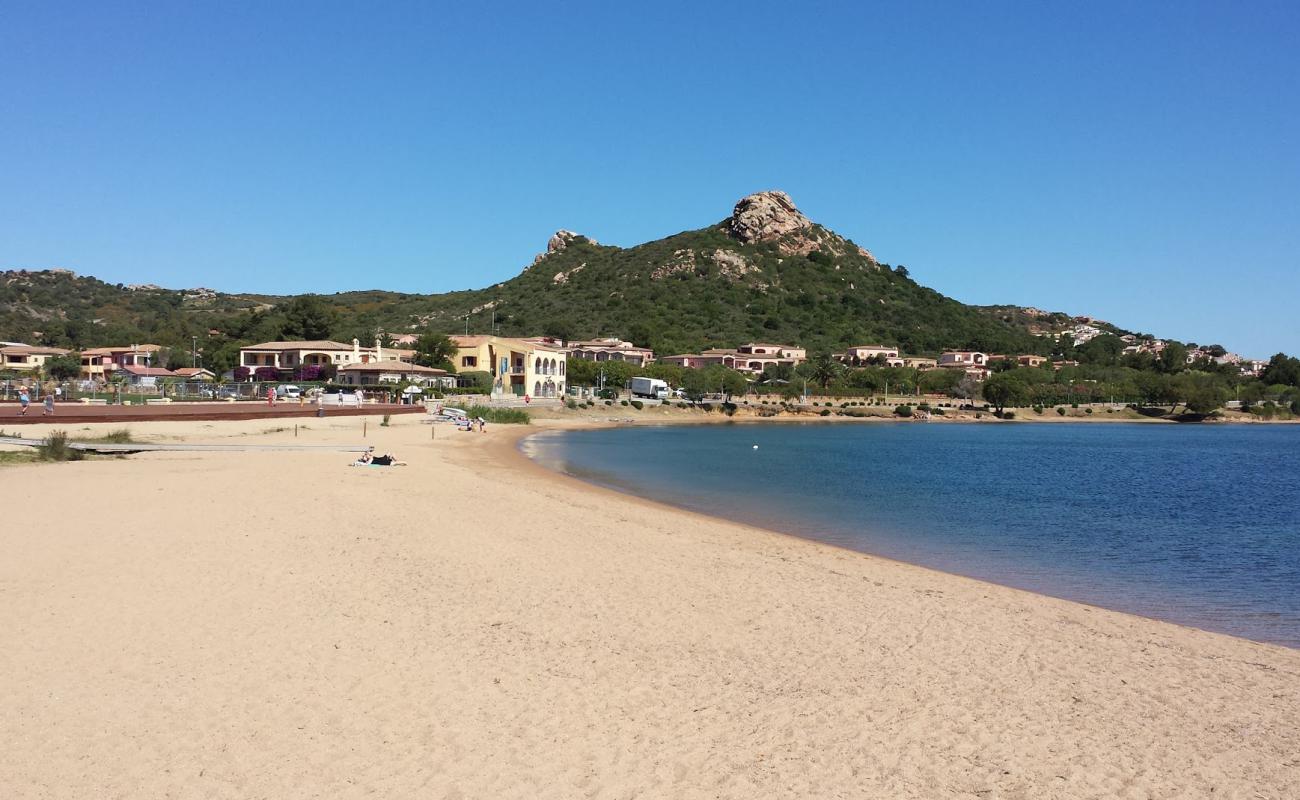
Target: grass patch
(500, 416)
(11, 457)
(119, 436)
(55, 448)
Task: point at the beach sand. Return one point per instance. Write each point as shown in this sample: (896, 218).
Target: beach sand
(282, 625)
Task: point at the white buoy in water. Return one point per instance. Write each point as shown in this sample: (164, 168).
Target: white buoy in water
(755, 447)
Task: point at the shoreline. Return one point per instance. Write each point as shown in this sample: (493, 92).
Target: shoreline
(548, 473)
(478, 625)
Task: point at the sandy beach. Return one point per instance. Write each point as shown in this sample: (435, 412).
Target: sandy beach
(282, 625)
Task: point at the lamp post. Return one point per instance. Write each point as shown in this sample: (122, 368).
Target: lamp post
(194, 351)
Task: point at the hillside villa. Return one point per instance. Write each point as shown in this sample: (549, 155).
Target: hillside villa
(518, 367)
(750, 359)
(973, 363)
(920, 362)
(870, 353)
(292, 355)
(610, 350)
(27, 357)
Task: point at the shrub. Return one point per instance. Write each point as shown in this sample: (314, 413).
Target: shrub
(241, 374)
(903, 411)
(1038, 409)
(500, 416)
(1074, 405)
(266, 374)
(937, 411)
(571, 404)
(923, 407)
(55, 448)
(622, 402)
(638, 405)
(825, 413)
(1060, 410)
(609, 402)
(387, 419)
(1008, 415)
(729, 409)
(1087, 411)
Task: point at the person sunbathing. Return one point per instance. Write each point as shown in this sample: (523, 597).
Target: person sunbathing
(369, 459)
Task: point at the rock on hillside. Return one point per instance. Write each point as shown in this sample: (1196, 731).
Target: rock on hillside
(773, 217)
(559, 242)
(766, 217)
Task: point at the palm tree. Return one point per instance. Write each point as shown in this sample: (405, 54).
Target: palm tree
(823, 369)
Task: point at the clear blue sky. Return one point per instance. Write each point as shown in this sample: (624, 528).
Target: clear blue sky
(1135, 161)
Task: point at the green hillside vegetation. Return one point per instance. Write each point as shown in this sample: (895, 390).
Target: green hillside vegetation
(673, 295)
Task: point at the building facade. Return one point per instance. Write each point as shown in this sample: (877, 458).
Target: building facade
(393, 371)
(749, 359)
(870, 353)
(610, 350)
(27, 357)
(518, 367)
(292, 355)
(102, 363)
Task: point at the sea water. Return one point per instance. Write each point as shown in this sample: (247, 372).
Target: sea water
(1195, 524)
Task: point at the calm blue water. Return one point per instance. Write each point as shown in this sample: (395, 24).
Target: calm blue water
(1194, 524)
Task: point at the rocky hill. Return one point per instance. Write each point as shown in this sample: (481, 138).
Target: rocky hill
(766, 272)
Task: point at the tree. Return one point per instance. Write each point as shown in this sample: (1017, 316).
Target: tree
(1173, 358)
(1282, 368)
(435, 350)
(1005, 389)
(1201, 393)
(822, 369)
(714, 378)
(308, 317)
(940, 381)
(63, 368)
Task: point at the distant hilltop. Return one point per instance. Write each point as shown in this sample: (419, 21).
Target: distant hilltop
(766, 272)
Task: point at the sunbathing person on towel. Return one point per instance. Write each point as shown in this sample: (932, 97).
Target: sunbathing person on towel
(369, 459)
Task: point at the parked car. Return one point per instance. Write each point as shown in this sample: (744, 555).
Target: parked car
(288, 392)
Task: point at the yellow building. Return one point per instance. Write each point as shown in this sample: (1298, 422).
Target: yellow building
(26, 357)
(517, 367)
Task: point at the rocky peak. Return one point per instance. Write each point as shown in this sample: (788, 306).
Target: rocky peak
(560, 241)
(764, 216)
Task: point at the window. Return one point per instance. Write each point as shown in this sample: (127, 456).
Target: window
(469, 361)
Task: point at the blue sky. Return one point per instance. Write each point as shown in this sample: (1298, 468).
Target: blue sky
(1135, 161)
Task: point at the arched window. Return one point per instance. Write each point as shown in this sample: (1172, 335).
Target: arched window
(537, 389)
(537, 367)
(562, 367)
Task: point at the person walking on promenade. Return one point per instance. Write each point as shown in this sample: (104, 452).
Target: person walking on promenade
(24, 399)
(49, 405)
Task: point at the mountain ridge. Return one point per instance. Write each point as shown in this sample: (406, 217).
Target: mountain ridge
(765, 272)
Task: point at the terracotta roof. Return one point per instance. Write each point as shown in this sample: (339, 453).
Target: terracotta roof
(187, 371)
(476, 340)
(392, 366)
(148, 372)
(317, 344)
(33, 349)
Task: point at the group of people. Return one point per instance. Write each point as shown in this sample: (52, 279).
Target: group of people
(472, 424)
(25, 400)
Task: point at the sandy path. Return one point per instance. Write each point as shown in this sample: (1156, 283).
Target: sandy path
(283, 626)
